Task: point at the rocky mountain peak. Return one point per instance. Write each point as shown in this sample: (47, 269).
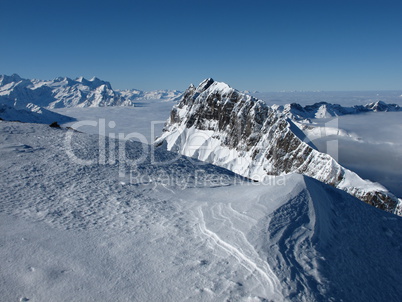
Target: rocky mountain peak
(5, 79)
(220, 125)
(204, 85)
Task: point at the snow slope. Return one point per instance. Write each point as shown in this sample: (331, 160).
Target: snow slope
(181, 231)
(65, 92)
(32, 114)
(220, 125)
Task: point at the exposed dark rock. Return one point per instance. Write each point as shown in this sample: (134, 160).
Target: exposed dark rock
(54, 125)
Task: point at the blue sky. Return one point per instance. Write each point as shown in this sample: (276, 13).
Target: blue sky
(254, 45)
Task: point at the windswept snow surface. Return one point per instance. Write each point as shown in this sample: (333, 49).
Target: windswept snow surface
(181, 231)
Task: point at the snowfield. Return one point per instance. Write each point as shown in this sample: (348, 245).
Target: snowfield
(124, 228)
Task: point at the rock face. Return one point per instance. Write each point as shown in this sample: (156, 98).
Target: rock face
(218, 124)
(65, 92)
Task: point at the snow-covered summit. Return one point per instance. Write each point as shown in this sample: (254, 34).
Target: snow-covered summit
(380, 106)
(135, 95)
(94, 82)
(4, 79)
(218, 124)
(66, 92)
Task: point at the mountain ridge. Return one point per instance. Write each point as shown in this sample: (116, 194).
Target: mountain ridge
(218, 124)
(326, 110)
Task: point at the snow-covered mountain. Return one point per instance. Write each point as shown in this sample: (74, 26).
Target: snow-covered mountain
(218, 124)
(326, 110)
(164, 95)
(183, 231)
(65, 92)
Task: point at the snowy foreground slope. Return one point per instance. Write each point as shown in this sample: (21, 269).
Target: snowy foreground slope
(182, 231)
(65, 92)
(220, 125)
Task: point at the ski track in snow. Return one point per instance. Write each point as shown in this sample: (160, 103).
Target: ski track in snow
(265, 277)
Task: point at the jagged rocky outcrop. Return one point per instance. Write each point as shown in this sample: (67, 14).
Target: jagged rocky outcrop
(65, 92)
(218, 124)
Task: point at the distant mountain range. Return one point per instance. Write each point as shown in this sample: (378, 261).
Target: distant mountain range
(34, 95)
(65, 92)
(326, 110)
